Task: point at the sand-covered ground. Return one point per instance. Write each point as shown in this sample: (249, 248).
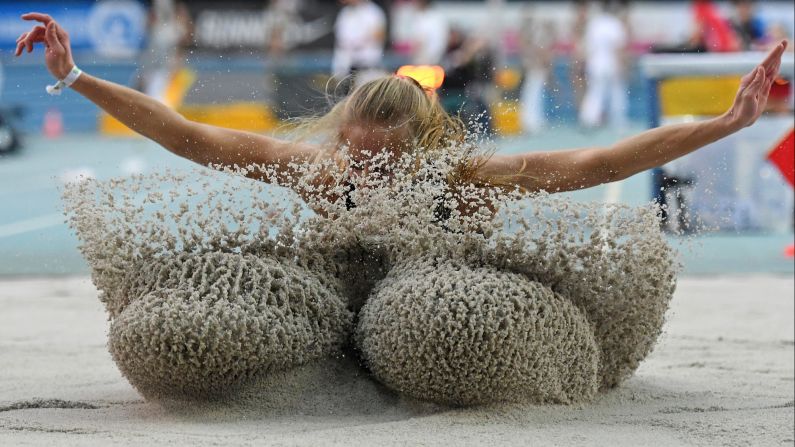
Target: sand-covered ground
(722, 374)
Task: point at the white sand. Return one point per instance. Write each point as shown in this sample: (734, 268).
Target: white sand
(721, 375)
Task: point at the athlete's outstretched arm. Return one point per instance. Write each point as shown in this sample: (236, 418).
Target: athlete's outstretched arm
(583, 168)
(201, 143)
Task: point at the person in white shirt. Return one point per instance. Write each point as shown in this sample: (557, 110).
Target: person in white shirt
(278, 17)
(359, 33)
(606, 39)
(537, 38)
(169, 30)
(430, 32)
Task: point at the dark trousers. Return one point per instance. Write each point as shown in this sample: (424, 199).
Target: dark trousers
(671, 186)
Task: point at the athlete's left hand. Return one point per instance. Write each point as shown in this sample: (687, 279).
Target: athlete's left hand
(58, 51)
(754, 89)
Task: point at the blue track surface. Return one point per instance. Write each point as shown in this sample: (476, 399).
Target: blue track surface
(35, 241)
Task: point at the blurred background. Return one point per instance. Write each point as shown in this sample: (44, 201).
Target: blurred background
(532, 75)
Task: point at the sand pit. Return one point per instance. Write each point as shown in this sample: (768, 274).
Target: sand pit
(231, 307)
(722, 374)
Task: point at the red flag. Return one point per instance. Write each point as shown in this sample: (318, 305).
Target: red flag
(783, 156)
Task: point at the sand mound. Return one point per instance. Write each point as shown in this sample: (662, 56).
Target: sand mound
(210, 323)
(448, 332)
(216, 284)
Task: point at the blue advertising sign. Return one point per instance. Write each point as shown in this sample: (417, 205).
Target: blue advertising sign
(114, 28)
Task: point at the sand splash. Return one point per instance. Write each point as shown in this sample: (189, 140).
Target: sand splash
(214, 282)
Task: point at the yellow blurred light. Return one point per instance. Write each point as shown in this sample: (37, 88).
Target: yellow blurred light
(428, 76)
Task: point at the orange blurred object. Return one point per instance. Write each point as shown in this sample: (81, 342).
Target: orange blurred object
(789, 251)
(429, 76)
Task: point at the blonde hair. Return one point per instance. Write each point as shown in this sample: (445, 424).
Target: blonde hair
(398, 103)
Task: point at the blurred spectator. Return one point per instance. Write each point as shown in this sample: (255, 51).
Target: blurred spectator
(712, 31)
(169, 32)
(279, 15)
(749, 27)
(577, 67)
(469, 68)
(429, 36)
(359, 36)
(537, 39)
(606, 41)
(674, 188)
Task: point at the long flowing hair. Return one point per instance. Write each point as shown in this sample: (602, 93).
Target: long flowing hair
(400, 104)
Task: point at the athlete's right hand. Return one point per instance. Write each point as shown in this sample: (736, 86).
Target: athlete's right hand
(754, 89)
(57, 52)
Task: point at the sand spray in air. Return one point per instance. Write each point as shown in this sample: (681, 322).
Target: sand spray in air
(214, 281)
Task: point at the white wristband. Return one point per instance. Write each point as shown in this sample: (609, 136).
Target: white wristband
(65, 82)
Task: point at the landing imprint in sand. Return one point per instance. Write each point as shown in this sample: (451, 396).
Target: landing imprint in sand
(213, 281)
